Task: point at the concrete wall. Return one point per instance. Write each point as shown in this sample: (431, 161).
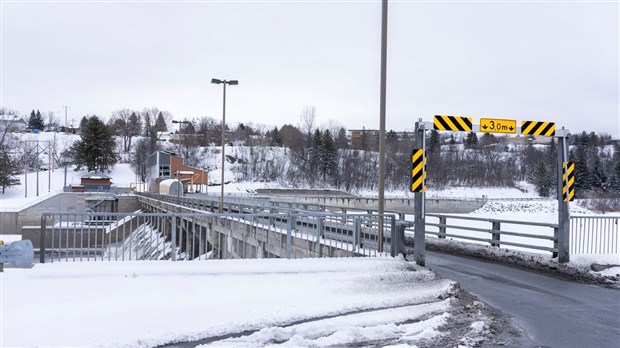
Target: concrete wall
(234, 238)
(128, 204)
(392, 205)
(64, 202)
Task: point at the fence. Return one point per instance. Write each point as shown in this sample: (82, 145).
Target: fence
(588, 234)
(541, 236)
(594, 235)
(199, 236)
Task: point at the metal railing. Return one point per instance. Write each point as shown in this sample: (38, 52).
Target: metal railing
(198, 236)
(594, 235)
(588, 234)
(542, 236)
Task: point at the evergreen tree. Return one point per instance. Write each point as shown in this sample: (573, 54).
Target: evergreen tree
(471, 142)
(614, 179)
(452, 143)
(599, 177)
(614, 182)
(315, 153)
(95, 149)
(488, 139)
(35, 121)
(148, 125)
(160, 123)
(543, 179)
(342, 141)
(276, 138)
(83, 123)
(133, 128)
(9, 169)
(328, 161)
(583, 177)
(433, 143)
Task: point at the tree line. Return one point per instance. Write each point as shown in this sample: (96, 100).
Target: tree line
(328, 156)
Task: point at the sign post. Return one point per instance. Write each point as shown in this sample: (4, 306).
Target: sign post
(419, 237)
(563, 208)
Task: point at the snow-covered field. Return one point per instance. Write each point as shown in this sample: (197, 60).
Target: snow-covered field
(324, 302)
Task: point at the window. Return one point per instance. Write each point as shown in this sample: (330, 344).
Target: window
(164, 170)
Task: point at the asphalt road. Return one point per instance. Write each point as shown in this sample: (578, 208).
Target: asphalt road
(551, 312)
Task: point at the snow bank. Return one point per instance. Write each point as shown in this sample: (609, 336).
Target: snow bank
(528, 207)
(144, 304)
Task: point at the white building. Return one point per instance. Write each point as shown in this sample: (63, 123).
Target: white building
(13, 122)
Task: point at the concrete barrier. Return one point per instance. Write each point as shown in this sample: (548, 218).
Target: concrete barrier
(18, 254)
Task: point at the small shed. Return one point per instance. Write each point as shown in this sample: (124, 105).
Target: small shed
(171, 187)
(95, 182)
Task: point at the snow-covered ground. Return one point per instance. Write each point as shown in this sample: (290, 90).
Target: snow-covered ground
(310, 302)
(51, 183)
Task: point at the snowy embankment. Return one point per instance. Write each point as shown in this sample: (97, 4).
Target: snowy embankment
(307, 302)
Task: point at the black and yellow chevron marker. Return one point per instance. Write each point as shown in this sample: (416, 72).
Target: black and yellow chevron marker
(538, 128)
(418, 171)
(568, 181)
(452, 123)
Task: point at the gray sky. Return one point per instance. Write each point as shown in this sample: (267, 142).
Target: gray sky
(552, 61)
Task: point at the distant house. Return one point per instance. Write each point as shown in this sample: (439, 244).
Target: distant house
(95, 182)
(162, 165)
(13, 123)
(372, 137)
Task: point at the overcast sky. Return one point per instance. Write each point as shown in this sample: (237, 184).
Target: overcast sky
(552, 61)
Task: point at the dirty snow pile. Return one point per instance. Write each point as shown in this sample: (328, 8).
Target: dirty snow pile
(302, 302)
(528, 207)
(580, 267)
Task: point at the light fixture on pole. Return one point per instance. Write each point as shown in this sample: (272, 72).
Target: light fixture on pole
(232, 83)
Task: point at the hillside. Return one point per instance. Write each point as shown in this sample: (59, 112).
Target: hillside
(492, 171)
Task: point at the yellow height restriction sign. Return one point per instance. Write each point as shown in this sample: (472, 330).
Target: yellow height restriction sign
(497, 125)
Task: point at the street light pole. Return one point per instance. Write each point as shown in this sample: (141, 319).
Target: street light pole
(382, 102)
(224, 82)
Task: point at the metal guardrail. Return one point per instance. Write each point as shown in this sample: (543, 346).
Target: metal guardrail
(588, 234)
(594, 235)
(587, 237)
(191, 236)
(474, 229)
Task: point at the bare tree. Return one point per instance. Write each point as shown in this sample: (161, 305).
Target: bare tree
(308, 119)
(126, 124)
(149, 118)
(52, 120)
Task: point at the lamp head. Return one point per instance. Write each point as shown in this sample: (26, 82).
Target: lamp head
(216, 81)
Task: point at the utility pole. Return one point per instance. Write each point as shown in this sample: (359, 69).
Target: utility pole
(66, 107)
(49, 174)
(382, 102)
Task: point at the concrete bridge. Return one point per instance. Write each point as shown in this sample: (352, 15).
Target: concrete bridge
(189, 228)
